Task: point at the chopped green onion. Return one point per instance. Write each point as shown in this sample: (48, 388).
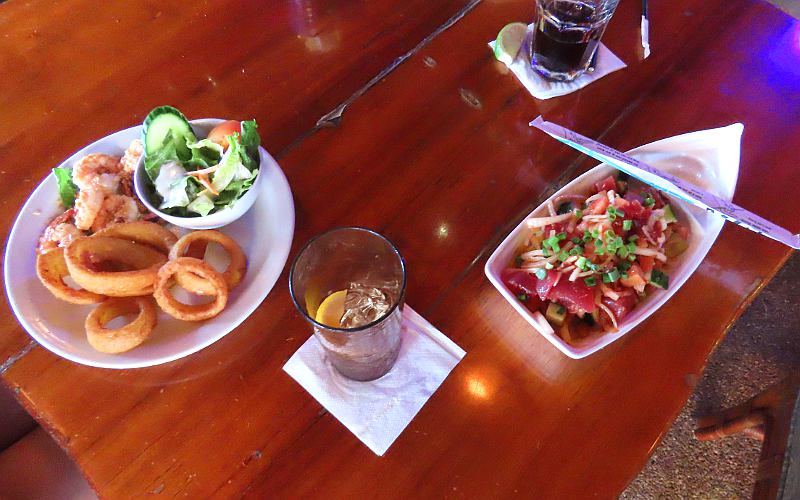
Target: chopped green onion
(623, 252)
(561, 236)
(649, 201)
(541, 274)
(611, 276)
(627, 225)
(548, 266)
(522, 297)
(577, 240)
(577, 250)
(590, 281)
(633, 237)
(631, 247)
(659, 279)
(582, 263)
(599, 249)
(612, 217)
(624, 266)
(579, 214)
(562, 256)
(595, 233)
(624, 275)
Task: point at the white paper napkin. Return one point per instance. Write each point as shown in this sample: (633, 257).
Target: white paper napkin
(378, 411)
(541, 88)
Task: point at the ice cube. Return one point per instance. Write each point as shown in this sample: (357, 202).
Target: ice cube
(364, 304)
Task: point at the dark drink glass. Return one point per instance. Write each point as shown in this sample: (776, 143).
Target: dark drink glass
(566, 35)
(366, 269)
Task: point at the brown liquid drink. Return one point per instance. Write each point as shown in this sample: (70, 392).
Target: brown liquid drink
(566, 36)
(349, 283)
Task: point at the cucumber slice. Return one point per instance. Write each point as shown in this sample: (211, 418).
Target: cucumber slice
(162, 121)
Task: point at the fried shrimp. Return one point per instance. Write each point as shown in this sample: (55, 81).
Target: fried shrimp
(97, 170)
(115, 208)
(131, 156)
(87, 207)
(59, 233)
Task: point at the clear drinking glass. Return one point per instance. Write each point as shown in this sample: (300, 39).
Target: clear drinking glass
(365, 345)
(566, 35)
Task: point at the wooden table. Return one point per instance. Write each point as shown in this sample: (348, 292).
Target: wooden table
(433, 150)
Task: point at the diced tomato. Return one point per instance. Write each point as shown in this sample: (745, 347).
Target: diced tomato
(576, 296)
(634, 210)
(681, 230)
(607, 184)
(599, 206)
(635, 277)
(622, 306)
(645, 263)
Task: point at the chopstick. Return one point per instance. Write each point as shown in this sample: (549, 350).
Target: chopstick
(645, 30)
(669, 183)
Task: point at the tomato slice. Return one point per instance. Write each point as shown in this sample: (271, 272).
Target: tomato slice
(607, 184)
(599, 206)
(645, 262)
(220, 133)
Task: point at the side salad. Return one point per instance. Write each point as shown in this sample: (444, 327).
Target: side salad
(193, 177)
(595, 257)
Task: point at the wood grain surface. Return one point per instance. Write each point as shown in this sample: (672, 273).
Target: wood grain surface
(438, 156)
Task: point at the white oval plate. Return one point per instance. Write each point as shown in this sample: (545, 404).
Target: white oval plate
(708, 159)
(264, 233)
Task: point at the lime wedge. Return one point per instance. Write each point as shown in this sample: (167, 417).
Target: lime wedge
(509, 41)
(331, 310)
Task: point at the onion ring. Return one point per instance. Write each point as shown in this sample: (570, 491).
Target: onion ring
(234, 273)
(140, 266)
(51, 268)
(125, 338)
(142, 232)
(187, 312)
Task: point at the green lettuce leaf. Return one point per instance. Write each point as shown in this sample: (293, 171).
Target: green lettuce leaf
(66, 189)
(234, 191)
(167, 152)
(232, 168)
(205, 153)
(250, 141)
(201, 205)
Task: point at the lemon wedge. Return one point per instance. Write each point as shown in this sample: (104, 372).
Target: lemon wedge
(332, 308)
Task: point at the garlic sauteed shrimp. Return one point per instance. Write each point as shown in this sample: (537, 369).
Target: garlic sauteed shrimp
(97, 192)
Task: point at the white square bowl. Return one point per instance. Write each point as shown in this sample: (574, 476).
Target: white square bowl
(708, 159)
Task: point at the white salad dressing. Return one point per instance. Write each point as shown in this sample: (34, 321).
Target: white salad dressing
(171, 185)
